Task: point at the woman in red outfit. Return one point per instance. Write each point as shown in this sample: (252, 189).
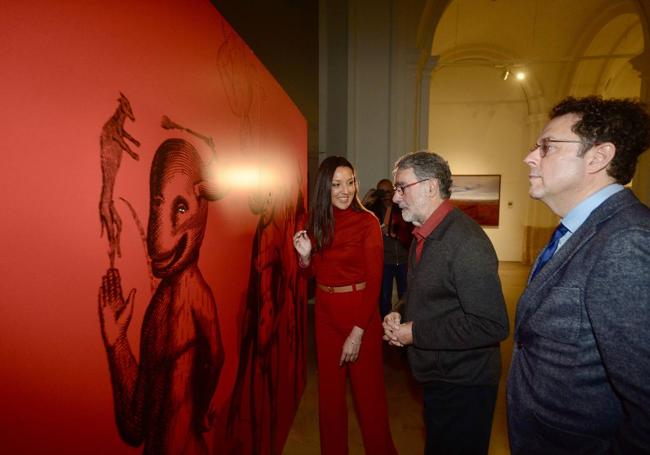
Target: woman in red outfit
(343, 248)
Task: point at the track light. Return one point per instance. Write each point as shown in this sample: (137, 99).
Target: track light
(505, 75)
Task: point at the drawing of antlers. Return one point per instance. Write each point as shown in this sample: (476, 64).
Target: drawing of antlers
(168, 124)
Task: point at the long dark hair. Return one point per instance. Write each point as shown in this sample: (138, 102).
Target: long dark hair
(321, 216)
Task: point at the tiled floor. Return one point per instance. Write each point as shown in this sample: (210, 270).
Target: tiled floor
(404, 399)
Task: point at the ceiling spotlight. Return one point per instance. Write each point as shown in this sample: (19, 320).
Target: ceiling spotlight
(520, 75)
(505, 75)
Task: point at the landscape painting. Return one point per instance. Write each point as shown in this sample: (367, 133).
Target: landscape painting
(478, 196)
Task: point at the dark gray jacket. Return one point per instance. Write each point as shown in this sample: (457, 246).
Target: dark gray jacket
(579, 381)
(455, 301)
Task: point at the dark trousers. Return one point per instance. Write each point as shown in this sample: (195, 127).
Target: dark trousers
(457, 418)
(392, 272)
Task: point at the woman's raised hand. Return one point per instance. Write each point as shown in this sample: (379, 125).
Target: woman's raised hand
(302, 244)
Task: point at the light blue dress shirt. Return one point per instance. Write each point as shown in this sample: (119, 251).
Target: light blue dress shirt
(574, 219)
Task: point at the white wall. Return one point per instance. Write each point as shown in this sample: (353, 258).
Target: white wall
(477, 121)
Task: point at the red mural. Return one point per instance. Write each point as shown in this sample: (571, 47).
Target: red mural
(163, 400)
(151, 304)
(272, 346)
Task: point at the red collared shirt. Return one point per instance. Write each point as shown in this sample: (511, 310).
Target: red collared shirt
(429, 225)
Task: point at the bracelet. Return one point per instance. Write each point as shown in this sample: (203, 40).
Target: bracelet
(301, 263)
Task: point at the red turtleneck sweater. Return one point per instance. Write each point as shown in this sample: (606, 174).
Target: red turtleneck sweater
(355, 255)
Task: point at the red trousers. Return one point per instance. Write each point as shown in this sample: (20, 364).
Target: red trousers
(333, 325)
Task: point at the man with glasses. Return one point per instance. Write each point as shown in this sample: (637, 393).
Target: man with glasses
(579, 382)
(454, 316)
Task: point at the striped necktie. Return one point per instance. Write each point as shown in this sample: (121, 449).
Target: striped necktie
(548, 252)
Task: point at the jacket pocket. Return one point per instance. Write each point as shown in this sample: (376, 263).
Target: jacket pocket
(559, 315)
(562, 441)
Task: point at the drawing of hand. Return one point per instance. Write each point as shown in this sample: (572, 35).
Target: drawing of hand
(133, 154)
(114, 321)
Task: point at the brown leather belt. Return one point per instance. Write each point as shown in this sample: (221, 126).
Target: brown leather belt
(339, 289)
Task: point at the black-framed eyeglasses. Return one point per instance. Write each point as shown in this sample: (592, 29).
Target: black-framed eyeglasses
(399, 189)
(545, 145)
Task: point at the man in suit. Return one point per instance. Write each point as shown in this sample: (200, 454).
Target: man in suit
(454, 315)
(579, 382)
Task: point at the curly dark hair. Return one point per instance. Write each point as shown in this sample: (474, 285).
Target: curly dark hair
(321, 217)
(427, 165)
(623, 122)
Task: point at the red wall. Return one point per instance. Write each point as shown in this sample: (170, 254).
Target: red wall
(63, 67)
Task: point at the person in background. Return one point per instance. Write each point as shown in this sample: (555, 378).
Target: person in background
(397, 238)
(579, 379)
(342, 247)
(455, 314)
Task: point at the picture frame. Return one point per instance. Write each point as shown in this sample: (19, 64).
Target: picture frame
(479, 196)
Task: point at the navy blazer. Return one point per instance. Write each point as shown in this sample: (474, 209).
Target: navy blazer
(579, 382)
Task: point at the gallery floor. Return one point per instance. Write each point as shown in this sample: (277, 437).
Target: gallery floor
(404, 400)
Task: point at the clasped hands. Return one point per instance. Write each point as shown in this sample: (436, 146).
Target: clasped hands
(396, 333)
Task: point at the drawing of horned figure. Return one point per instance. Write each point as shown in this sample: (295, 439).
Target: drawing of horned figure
(274, 308)
(164, 400)
(112, 143)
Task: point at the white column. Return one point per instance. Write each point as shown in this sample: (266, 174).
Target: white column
(369, 82)
(422, 117)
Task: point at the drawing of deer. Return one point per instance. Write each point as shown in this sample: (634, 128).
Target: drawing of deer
(112, 144)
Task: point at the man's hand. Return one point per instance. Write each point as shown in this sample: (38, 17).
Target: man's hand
(113, 319)
(395, 333)
(391, 325)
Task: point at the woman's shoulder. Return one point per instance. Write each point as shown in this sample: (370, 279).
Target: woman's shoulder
(368, 221)
(366, 216)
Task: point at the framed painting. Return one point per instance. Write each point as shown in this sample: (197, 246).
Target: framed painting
(478, 196)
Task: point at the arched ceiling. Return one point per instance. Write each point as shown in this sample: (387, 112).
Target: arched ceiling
(540, 30)
(485, 122)
(566, 46)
